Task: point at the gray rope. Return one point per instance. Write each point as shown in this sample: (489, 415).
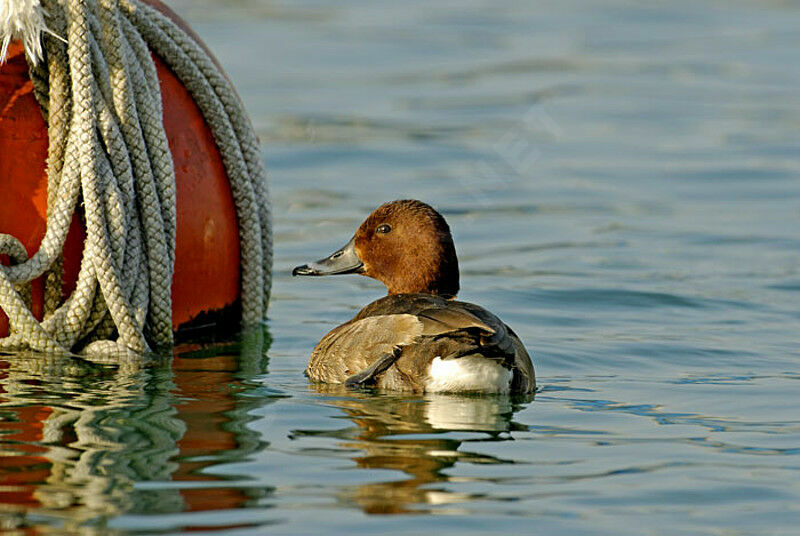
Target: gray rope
(101, 97)
(235, 139)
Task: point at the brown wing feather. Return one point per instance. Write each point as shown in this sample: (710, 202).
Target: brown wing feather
(354, 346)
(443, 320)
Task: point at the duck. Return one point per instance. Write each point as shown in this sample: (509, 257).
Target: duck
(418, 338)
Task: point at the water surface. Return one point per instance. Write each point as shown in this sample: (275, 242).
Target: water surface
(623, 184)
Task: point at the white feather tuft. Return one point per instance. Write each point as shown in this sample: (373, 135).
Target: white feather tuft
(23, 20)
(471, 373)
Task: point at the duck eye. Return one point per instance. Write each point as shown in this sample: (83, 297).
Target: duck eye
(383, 228)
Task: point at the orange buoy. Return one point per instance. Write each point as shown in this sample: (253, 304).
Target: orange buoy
(205, 284)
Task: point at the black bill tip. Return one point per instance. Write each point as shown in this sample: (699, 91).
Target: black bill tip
(304, 269)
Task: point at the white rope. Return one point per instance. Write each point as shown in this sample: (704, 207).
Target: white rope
(108, 149)
(23, 20)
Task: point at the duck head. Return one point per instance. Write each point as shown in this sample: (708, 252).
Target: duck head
(404, 244)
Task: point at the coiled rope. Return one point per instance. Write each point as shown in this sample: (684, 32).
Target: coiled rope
(100, 95)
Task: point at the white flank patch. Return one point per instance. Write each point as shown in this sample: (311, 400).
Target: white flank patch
(23, 20)
(469, 373)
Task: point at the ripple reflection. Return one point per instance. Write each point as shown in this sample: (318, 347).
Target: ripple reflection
(420, 436)
(83, 444)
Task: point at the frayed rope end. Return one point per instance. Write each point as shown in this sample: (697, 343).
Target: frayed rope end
(23, 20)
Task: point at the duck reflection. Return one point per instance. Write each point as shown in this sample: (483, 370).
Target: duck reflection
(79, 442)
(383, 423)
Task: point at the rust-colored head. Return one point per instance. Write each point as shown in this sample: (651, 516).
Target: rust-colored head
(404, 244)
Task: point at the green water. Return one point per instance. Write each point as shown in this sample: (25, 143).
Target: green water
(623, 184)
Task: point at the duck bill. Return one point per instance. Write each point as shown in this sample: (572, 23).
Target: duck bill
(342, 261)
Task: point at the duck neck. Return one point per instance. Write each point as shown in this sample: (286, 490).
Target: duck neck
(441, 280)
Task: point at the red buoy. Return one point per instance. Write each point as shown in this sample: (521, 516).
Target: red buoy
(206, 280)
